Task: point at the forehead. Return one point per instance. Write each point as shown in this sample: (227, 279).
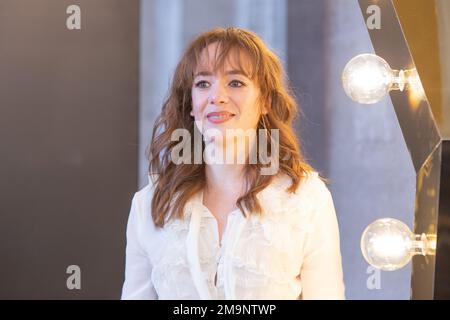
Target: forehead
(218, 58)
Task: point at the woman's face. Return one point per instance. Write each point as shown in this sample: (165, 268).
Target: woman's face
(224, 99)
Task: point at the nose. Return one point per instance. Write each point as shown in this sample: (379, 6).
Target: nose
(218, 94)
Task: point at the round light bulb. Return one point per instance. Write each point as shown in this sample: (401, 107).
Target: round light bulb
(367, 78)
(386, 244)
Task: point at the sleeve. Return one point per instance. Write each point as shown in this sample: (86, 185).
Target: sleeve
(137, 284)
(321, 273)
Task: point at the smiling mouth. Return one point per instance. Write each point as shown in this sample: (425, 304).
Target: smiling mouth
(219, 117)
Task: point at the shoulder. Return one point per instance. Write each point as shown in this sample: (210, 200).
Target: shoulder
(311, 186)
(311, 194)
(314, 187)
(144, 195)
(141, 205)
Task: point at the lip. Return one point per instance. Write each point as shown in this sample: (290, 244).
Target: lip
(219, 117)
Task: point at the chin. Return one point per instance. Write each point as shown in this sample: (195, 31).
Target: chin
(218, 130)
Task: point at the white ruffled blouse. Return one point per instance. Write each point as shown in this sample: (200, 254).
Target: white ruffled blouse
(292, 252)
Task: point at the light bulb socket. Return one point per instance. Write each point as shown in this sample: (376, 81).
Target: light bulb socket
(423, 244)
(412, 82)
(399, 80)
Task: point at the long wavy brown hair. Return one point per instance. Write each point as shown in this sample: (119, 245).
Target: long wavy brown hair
(174, 184)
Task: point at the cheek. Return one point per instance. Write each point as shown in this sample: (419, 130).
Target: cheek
(199, 101)
(249, 108)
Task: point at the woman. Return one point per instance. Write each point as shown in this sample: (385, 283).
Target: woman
(205, 228)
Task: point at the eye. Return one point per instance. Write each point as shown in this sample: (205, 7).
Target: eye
(236, 83)
(202, 84)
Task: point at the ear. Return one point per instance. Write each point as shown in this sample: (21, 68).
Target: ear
(192, 113)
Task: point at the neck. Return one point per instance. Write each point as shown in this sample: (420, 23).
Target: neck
(226, 174)
(227, 178)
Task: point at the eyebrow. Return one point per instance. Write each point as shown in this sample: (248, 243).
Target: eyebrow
(230, 72)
